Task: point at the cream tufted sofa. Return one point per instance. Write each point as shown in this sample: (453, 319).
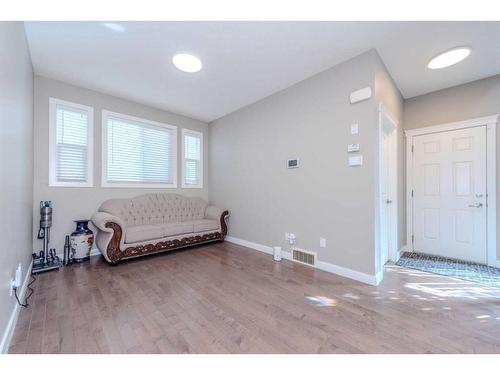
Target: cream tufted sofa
(152, 223)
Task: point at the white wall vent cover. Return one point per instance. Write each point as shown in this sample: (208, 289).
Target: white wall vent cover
(304, 257)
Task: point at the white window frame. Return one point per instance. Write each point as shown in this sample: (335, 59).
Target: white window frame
(200, 135)
(53, 103)
(104, 182)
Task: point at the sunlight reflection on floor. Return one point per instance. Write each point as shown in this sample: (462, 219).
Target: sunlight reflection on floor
(444, 286)
(320, 301)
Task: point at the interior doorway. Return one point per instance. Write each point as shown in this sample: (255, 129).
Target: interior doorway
(388, 197)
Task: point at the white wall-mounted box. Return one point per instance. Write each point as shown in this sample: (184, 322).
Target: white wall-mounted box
(355, 161)
(353, 147)
(360, 95)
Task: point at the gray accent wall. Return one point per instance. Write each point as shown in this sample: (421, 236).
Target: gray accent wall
(16, 153)
(323, 197)
(476, 99)
(71, 203)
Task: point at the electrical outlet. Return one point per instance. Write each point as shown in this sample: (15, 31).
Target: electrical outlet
(16, 281)
(322, 242)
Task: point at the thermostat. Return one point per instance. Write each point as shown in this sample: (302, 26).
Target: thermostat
(292, 163)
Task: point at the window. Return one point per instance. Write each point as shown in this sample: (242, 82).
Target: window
(137, 152)
(192, 159)
(70, 144)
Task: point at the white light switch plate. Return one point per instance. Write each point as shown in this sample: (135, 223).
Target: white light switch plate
(355, 161)
(322, 242)
(353, 147)
(354, 129)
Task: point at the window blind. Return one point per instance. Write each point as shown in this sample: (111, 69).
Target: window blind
(139, 152)
(71, 144)
(192, 159)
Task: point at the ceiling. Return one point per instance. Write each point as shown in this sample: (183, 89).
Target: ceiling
(244, 62)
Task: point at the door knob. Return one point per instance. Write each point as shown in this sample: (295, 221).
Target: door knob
(476, 205)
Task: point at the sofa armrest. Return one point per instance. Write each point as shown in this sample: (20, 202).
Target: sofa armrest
(100, 219)
(109, 235)
(217, 213)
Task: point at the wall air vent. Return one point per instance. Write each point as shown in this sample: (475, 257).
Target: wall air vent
(304, 257)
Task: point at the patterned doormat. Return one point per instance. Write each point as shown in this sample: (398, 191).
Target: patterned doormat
(459, 269)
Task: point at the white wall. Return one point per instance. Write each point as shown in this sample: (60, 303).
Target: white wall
(79, 203)
(324, 197)
(16, 153)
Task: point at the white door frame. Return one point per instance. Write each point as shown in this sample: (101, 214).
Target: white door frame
(392, 188)
(491, 123)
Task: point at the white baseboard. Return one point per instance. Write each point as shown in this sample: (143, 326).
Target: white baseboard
(256, 246)
(324, 266)
(350, 273)
(11, 325)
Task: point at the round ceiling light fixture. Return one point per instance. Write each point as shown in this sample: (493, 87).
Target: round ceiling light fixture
(187, 62)
(116, 27)
(449, 58)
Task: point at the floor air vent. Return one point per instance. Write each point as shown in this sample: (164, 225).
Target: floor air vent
(304, 257)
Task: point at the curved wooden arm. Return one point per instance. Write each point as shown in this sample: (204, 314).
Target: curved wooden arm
(113, 250)
(223, 224)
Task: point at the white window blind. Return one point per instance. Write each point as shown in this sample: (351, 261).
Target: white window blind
(192, 167)
(71, 130)
(139, 152)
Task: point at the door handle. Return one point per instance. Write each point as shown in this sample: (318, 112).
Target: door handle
(388, 201)
(476, 205)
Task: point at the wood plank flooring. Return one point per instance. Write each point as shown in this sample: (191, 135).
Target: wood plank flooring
(225, 298)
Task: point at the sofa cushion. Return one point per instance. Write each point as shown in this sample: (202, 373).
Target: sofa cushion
(204, 225)
(143, 233)
(175, 229)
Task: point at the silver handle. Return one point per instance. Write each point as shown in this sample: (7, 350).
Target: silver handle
(476, 205)
(388, 201)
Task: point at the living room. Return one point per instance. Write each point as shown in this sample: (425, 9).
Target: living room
(249, 187)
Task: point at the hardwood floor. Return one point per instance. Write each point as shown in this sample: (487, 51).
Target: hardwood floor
(224, 298)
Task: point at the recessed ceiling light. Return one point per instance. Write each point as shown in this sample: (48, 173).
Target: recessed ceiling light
(116, 27)
(449, 58)
(187, 63)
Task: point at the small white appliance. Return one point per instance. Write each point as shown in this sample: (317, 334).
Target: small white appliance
(277, 253)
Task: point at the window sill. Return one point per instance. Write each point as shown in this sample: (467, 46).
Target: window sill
(137, 185)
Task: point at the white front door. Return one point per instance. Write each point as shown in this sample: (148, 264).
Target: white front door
(449, 194)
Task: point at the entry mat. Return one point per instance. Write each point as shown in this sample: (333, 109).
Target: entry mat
(459, 269)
